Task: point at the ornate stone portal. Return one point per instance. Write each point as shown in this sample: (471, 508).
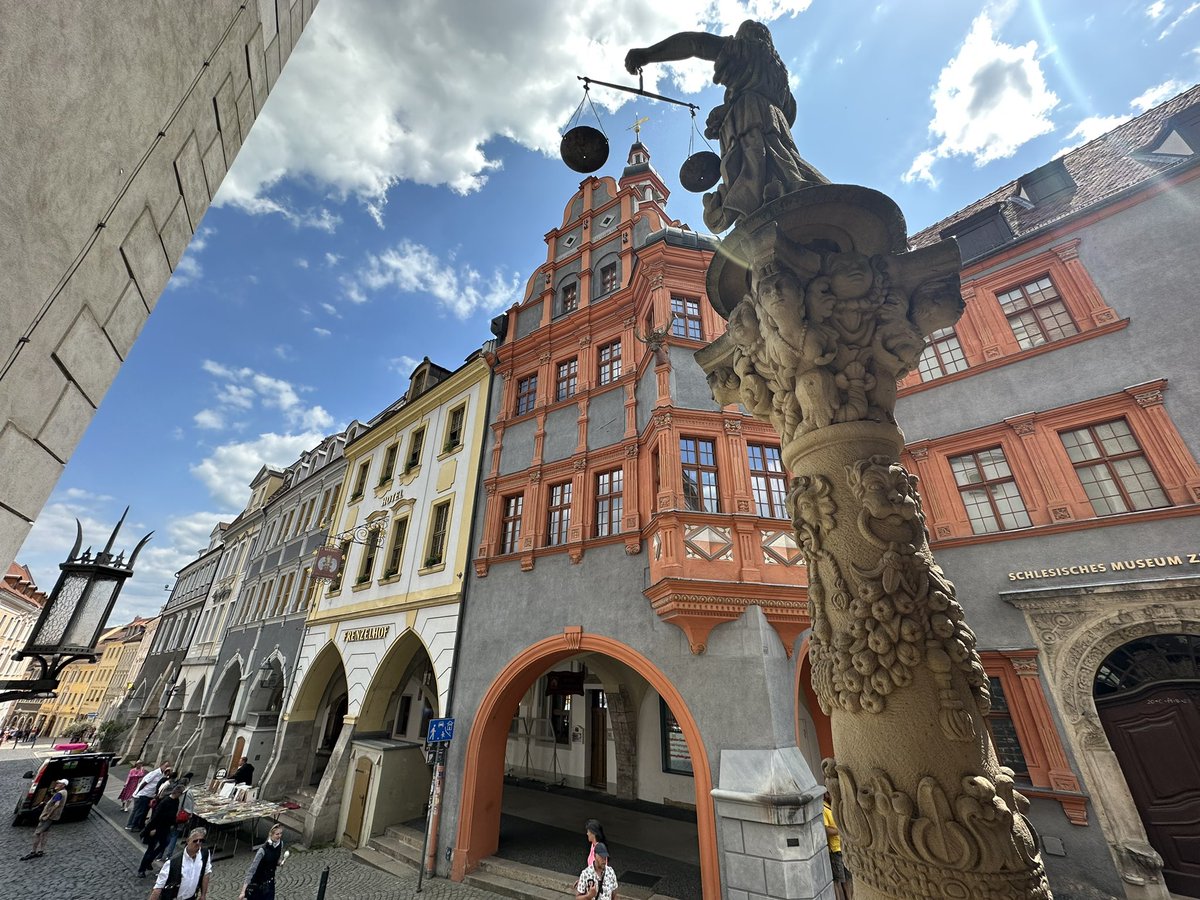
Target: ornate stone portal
(827, 308)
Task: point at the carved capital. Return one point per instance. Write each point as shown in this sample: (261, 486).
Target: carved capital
(585, 340)
(574, 636)
(481, 568)
(535, 476)
(663, 420)
(1149, 398)
(631, 451)
(1026, 666)
(920, 453)
(1025, 426)
(579, 465)
(1061, 513)
(1068, 251)
(733, 426)
(545, 356)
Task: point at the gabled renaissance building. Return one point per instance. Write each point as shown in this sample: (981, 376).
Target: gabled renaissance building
(1056, 430)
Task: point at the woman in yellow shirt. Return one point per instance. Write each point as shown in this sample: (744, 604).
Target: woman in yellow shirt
(842, 887)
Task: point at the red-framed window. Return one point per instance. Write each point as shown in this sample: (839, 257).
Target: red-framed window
(943, 355)
(609, 362)
(699, 463)
(989, 491)
(558, 519)
(526, 394)
(1113, 469)
(608, 278)
(566, 379)
(510, 525)
(767, 480)
(610, 502)
(1036, 313)
(686, 323)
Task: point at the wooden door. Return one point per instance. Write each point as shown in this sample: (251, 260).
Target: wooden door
(352, 836)
(1155, 733)
(239, 748)
(598, 758)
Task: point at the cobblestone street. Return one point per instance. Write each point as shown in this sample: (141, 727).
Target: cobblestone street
(95, 860)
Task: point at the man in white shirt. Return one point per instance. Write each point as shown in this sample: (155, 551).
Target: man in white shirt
(598, 881)
(185, 877)
(146, 791)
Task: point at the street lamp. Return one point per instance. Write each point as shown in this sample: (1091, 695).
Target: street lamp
(70, 623)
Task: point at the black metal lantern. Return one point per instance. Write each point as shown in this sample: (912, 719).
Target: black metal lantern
(70, 624)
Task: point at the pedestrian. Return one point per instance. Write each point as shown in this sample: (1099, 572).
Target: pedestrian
(599, 880)
(186, 876)
(842, 888)
(158, 830)
(33, 737)
(187, 806)
(260, 877)
(146, 791)
(131, 782)
(52, 811)
(244, 773)
(595, 835)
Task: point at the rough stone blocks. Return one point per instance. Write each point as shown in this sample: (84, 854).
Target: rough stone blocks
(87, 357)
(31, 472)
(67, 423)
(147, 261)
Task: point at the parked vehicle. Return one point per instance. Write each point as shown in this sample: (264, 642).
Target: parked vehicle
(87, 774)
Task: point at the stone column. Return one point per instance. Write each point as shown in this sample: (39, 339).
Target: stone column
(827, 309)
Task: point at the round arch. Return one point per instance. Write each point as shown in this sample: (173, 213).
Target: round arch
(388, 674)
(191, 703)
(226, 689)
(321, 671)
(804, 688)
(479, 811)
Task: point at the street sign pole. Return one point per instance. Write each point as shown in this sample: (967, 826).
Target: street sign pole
(441, 732)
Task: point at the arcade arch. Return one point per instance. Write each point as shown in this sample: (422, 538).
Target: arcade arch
(482, 793)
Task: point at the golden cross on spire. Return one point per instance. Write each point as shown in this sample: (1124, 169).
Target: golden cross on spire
(636, 127)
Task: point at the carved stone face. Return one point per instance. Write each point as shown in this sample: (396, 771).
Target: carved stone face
(851, 275)
(887, 494)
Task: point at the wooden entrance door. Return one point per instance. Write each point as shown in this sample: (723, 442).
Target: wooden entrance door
(598, 758)
(239, 748)
(352, 836)
(1155, 733)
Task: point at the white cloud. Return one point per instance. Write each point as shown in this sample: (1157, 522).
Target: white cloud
(410, 268)
(332, 259)
(1179, 18)
(302, 262)
(377, 92)
(331, 309)
(403, 365)
(1157, 94)
(284, 352)
(322, 332)
(1156, 10)
(188, 270)
(241, 391)
(990, 99)
(227, 471)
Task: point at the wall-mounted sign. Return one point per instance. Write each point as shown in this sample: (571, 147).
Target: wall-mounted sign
(1113, 565)
(389, 499)
(328, 563)
(372, 633)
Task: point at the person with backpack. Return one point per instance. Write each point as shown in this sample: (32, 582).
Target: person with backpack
(186, 876)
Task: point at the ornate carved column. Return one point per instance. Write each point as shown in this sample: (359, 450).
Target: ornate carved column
(826, 310)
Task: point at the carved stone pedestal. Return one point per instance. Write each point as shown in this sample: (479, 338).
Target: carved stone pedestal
(772, 832)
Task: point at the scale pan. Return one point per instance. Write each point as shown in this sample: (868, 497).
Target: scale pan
(584, 149)
(700, 171)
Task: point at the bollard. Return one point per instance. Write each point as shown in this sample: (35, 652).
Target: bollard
(324, 883)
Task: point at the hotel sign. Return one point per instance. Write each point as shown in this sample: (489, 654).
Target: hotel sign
(373, 633)
(1112, 565)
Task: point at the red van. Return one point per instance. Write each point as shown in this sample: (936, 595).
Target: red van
(87, 774)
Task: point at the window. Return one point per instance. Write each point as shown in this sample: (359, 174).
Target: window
(437, 535)
(686, 323)
(608, 278)
(1004, 733)
(416, 443)
(566, 380)
(676, 758)
(1036, 314)
(303, 591)
(767, 480)
(610, 362)
(558, 525)
(569, 298)
(526, 394)
(943, 355)
(326, 499)
(287, 525)
(610, 502)
(510, 527)
(360, 483)
(699, 461)
(336, 583)
(454, 429)
(366, 569)
(1112, 468)
(989, 491)
(396, 548)
(389, 463)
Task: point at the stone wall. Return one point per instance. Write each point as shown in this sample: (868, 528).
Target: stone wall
(120, 128)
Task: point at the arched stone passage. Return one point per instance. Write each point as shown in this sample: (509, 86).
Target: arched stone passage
(479, 813)
(406, 655)
(809, 712)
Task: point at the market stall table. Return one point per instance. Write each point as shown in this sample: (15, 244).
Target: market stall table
(225, 816)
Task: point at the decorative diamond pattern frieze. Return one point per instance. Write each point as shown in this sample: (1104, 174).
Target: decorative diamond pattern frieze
(708, 542)
(780, 549)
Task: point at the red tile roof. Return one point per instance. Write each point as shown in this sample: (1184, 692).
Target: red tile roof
(1101, 169)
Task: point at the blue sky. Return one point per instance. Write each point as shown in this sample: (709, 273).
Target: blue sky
(393, 195)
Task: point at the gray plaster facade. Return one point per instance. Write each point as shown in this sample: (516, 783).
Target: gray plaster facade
(121, 129)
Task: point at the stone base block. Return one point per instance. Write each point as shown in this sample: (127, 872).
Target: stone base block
(772, 832)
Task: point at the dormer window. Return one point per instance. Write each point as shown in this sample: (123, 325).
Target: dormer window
(980, 233)
(1046, 183)
(569, 298)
